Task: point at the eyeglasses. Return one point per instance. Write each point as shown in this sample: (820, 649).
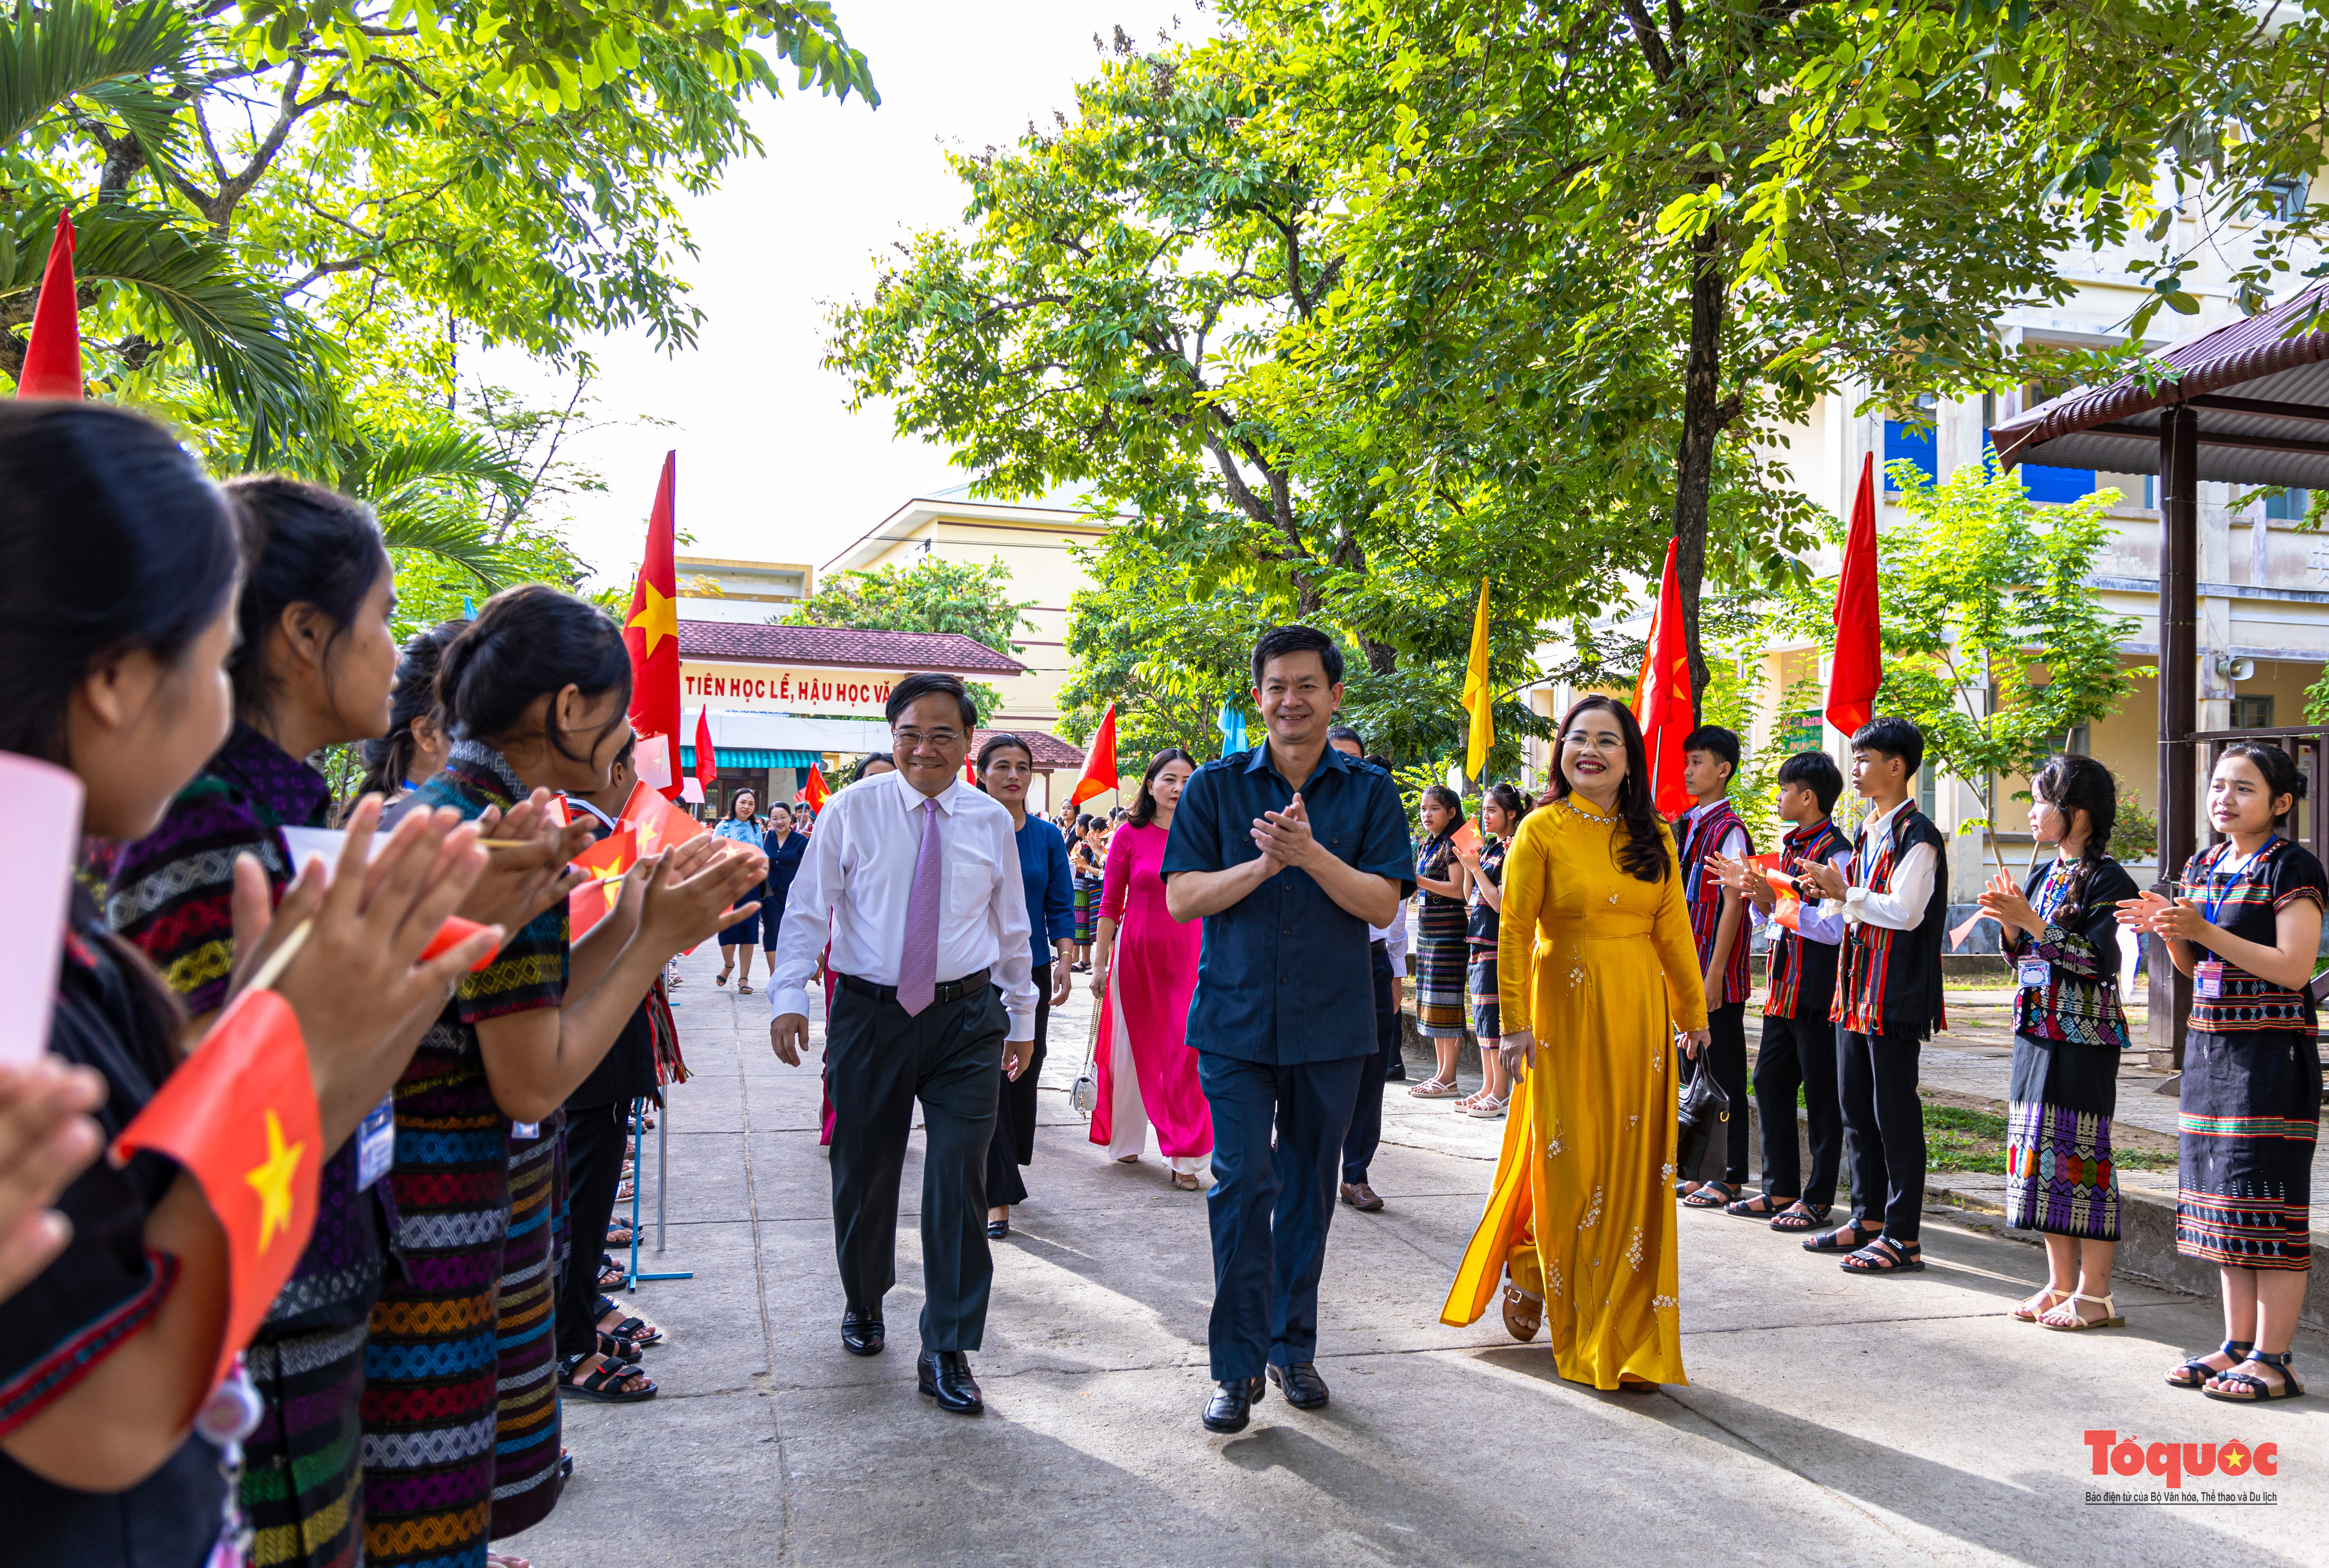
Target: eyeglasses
(1607, 741)
(940, 737)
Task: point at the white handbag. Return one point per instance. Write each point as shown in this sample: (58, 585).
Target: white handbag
(1084, 1095)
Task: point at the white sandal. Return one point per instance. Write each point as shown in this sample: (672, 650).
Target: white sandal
(2110, 1320)
(1434, 1088)
(1487, 1110)
(2022, 1314)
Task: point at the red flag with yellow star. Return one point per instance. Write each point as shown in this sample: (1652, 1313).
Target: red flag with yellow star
(651, 632)
(656, 823)
(239, 1116)
(814, 789)
(606, 861)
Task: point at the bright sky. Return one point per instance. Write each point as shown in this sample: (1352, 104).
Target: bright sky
(772, 465)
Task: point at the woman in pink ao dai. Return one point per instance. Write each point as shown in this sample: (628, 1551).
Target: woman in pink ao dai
(1144, 971)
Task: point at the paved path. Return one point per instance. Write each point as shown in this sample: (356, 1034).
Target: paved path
(1828, 1420)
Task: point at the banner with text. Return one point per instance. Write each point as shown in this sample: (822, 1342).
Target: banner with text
(782, 689)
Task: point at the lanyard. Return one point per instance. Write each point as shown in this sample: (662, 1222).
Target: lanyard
(2215, 898)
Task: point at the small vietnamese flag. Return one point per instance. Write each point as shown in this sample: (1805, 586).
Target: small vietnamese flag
(1099, 762)
(607, 860)
(1662, 704)
(814, 789)
(658, 824)
(707, 760)
(239, 1116)
(52, 367)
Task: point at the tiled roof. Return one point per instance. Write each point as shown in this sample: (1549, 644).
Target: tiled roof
(951, 652)
(1051, 753)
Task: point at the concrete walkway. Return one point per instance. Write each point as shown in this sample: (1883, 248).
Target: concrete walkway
(1828, 1420)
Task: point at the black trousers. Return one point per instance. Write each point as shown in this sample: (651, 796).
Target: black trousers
(1359, 1144)
(1887, 1124)
(596, 1139)
(1800, 1053)
(1013, 1143)
(1276, 1132)
(1726, 1057)
(877, 1063)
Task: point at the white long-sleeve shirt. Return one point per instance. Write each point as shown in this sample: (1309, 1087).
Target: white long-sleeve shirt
(855, 879)
(1901, 907)
(1394, 940)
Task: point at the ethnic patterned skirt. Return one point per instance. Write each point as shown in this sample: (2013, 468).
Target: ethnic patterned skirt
(525, 1450)
(2250, 1115)
(1441, 969)
(1087, 890)
(2059, 1177)
(430, 1402)
(1487, 1010)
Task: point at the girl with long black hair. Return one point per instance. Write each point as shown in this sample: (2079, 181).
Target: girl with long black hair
(119, 566)
(535, 689)
(416, 744)
(2061, 934)
(1442, 958)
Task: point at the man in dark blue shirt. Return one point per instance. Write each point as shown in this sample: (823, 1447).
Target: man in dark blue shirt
(1289, 853)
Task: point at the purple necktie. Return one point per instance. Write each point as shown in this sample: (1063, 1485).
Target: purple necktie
(918, 961)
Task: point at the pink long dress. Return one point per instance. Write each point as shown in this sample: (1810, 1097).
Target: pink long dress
(1145, 1014)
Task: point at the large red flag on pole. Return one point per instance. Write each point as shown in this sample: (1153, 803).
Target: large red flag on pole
(1662, 697)
(1099, 762)
(1858, 667)
(707, 760)
(52, 357)
(651, 632)
(814, 789)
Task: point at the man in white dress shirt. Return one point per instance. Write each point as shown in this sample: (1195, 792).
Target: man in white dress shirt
(918, 875)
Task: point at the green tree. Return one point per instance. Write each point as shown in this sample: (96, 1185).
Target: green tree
(930, 595)
(1994, 647)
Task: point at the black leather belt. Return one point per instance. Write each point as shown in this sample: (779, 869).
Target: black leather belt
(948, 990)
(1379, 944)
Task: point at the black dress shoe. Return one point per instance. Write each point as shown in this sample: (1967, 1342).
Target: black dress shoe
(861, 1332)
(1304, 1388)
(945, 1376)
(1231, 1405)
(997, 1229)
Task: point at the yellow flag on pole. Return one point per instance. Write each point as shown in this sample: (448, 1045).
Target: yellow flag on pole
(1476, 694)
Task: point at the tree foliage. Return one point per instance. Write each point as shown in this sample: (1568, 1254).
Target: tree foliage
(966, 597)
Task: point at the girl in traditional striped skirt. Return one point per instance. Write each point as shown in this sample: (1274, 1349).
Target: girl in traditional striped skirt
(1442, 955)
(2247, 931)
(2061, 932)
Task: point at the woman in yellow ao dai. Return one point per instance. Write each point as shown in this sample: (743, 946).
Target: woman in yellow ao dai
(1598, 974)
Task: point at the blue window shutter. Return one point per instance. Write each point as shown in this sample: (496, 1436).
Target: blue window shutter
(1904, 445)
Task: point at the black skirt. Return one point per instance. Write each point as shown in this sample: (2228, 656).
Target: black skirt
(2250, 1113)
(2065, 1074)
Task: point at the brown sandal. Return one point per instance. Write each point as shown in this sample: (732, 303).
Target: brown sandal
(1524, 1313)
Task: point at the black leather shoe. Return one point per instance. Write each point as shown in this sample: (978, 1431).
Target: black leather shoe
(945, 1376)
(861, 1332)
(1302, 1388)
(1231, 1405)
(998, 1229)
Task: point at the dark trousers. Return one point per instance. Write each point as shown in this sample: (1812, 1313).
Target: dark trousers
(1800, 1053)
(877, 1063)
(1271, 1203)
(596, 1140)
(1360, 1142)
(1887, 1124)
(1013, 1143)
(1726, 1057)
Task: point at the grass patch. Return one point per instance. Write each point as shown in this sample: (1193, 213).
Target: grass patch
(1956, 1139)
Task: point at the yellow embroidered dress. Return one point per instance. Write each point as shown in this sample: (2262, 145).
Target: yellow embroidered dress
(1602, 966)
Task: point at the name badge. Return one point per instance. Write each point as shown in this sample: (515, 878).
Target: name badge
(525, 1129)
(2207, 978)
(376, 1142)
(2036, 972)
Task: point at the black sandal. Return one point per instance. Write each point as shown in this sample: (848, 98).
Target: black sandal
(2238, 1349)
(1712, 1195)
(637, 1330)
(1802, 1216)
(603, 1386)
(1832, 1242)
(2289, 1387)
(1745, 1209)
(1882, 1256)
(614, 1347)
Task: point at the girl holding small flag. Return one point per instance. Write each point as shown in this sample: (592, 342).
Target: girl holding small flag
(2247, 931)
(119, 566)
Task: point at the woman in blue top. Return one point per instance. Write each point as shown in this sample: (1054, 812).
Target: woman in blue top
(1006, 768)
(742, 823)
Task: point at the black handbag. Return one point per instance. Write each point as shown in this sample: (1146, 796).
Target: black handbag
(1703, 1108)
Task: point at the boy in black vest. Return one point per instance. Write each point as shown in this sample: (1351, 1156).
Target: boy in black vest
(1799, 1049)
(1888, 997)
